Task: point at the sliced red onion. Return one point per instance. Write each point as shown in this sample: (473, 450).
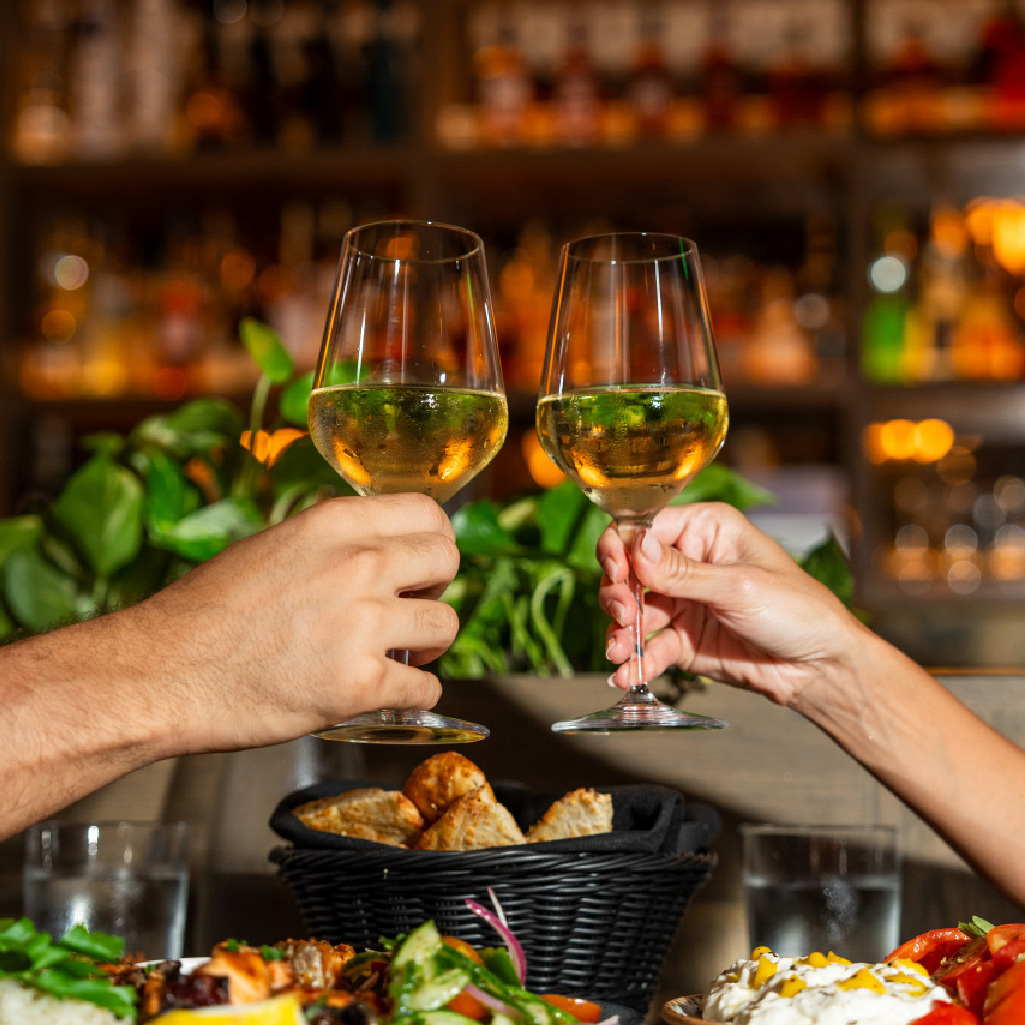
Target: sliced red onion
(493, 1002)
(501, 926)
(613, 1020)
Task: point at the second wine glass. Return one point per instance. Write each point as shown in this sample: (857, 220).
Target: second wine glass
(631, 406)
(408, 394)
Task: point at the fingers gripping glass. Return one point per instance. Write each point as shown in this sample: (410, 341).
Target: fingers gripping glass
(408, 394)
(631, 406)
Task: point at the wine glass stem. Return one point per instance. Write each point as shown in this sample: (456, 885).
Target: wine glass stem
(629, 532)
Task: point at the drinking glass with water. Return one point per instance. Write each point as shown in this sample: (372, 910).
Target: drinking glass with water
(128, 879)
(822, 888)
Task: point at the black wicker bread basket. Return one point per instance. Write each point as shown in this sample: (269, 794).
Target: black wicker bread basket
(595, 916)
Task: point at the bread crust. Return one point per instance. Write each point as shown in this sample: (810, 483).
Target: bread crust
(474, 821)
(372, 813)
(439, 780)
(582, 812)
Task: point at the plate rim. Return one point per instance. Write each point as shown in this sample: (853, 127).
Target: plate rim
(672, 1015)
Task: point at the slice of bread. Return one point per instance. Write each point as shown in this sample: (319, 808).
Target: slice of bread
(437, 781)
(384, 816)
(581, 812)
(471, 822)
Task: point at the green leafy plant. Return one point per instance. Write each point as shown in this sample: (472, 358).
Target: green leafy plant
(180, 487)
(146, 507)
(527, 590)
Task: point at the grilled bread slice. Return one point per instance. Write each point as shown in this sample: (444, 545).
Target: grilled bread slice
(582, 812)
(384, 816)
(474, 821)
(437, 781)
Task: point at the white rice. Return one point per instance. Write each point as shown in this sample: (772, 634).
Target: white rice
(21, 1006)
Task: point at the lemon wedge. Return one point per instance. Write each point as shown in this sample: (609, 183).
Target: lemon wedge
(283, 1010)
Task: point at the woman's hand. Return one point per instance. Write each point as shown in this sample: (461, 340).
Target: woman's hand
(724, 601)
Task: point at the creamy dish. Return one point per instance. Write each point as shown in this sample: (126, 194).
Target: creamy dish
(820, 989)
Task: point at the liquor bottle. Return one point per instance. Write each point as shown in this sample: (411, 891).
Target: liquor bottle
(212, 110)
(386, 71)
(42, 127)
(796, 86)
(912, 84)
(650, 92)
(321, 95)
(576, 87)
(721, 80)
(504, 87)
(155, 76)
(999, 66)
(262, 94)
(96, 81)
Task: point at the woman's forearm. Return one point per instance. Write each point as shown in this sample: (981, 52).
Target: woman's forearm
(955, 771)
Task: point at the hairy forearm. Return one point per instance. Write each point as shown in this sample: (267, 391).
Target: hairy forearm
(949, 766)
(73, 716)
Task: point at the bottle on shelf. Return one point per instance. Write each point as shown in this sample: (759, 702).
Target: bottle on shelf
(213, 110)
(910, 96)
(720, 76)
(797, 87)
(650, 89)
(261, 95)
(504, 87)
(576, 91)
(98, 117)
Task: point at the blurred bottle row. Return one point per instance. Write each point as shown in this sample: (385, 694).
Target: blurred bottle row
(104, 78)
(948, 294)
(611, 72)
(155, 311)
(107, 78)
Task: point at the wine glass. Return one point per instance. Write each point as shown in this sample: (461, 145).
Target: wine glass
(631, 406)
(408, 394)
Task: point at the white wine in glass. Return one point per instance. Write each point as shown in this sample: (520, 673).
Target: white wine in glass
(631, 407)
(408, 395)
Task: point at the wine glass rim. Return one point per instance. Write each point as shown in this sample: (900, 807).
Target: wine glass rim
(474, 243)
(685, 246)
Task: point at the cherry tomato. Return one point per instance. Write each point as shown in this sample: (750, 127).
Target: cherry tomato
(946, 1014)
(971, 954)
(973, 983)
(463, 947)
(1005, 1003)
(930, 948)
(583, 1010)
(1006, 943)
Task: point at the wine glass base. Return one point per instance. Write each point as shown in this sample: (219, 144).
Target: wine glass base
(636, 718)
(395, 727)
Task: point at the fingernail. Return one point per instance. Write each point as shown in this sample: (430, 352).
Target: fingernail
(612, 681)
(650, 547)
(609, 565)
(617, 610)
(610, 647)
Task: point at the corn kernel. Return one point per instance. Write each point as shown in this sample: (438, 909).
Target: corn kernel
(862, 979)
(792, 986)
(766, 970)
(758, 951)
(816, 960)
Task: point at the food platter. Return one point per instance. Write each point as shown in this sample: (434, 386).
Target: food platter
(683, 1011)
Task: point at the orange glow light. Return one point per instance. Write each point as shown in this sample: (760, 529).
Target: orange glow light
(270, 444)
(539, 465)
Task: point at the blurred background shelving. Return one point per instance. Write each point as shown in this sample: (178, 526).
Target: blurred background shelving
(851, 169)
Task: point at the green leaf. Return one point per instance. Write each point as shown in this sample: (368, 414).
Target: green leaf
(558, 513)
(101, 507)
(581, 550)
(104, 443)
(719, 483)
(202, 534)
(143, 576)
(169, 495)
(196, 427)
(97, 945)
(478, 531)
(295, 400)
(828, 563)
(18, 533)
(39, 595)
(266, 350)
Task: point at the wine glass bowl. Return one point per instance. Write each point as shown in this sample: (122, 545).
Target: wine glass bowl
(631, 405)
(408, 395)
